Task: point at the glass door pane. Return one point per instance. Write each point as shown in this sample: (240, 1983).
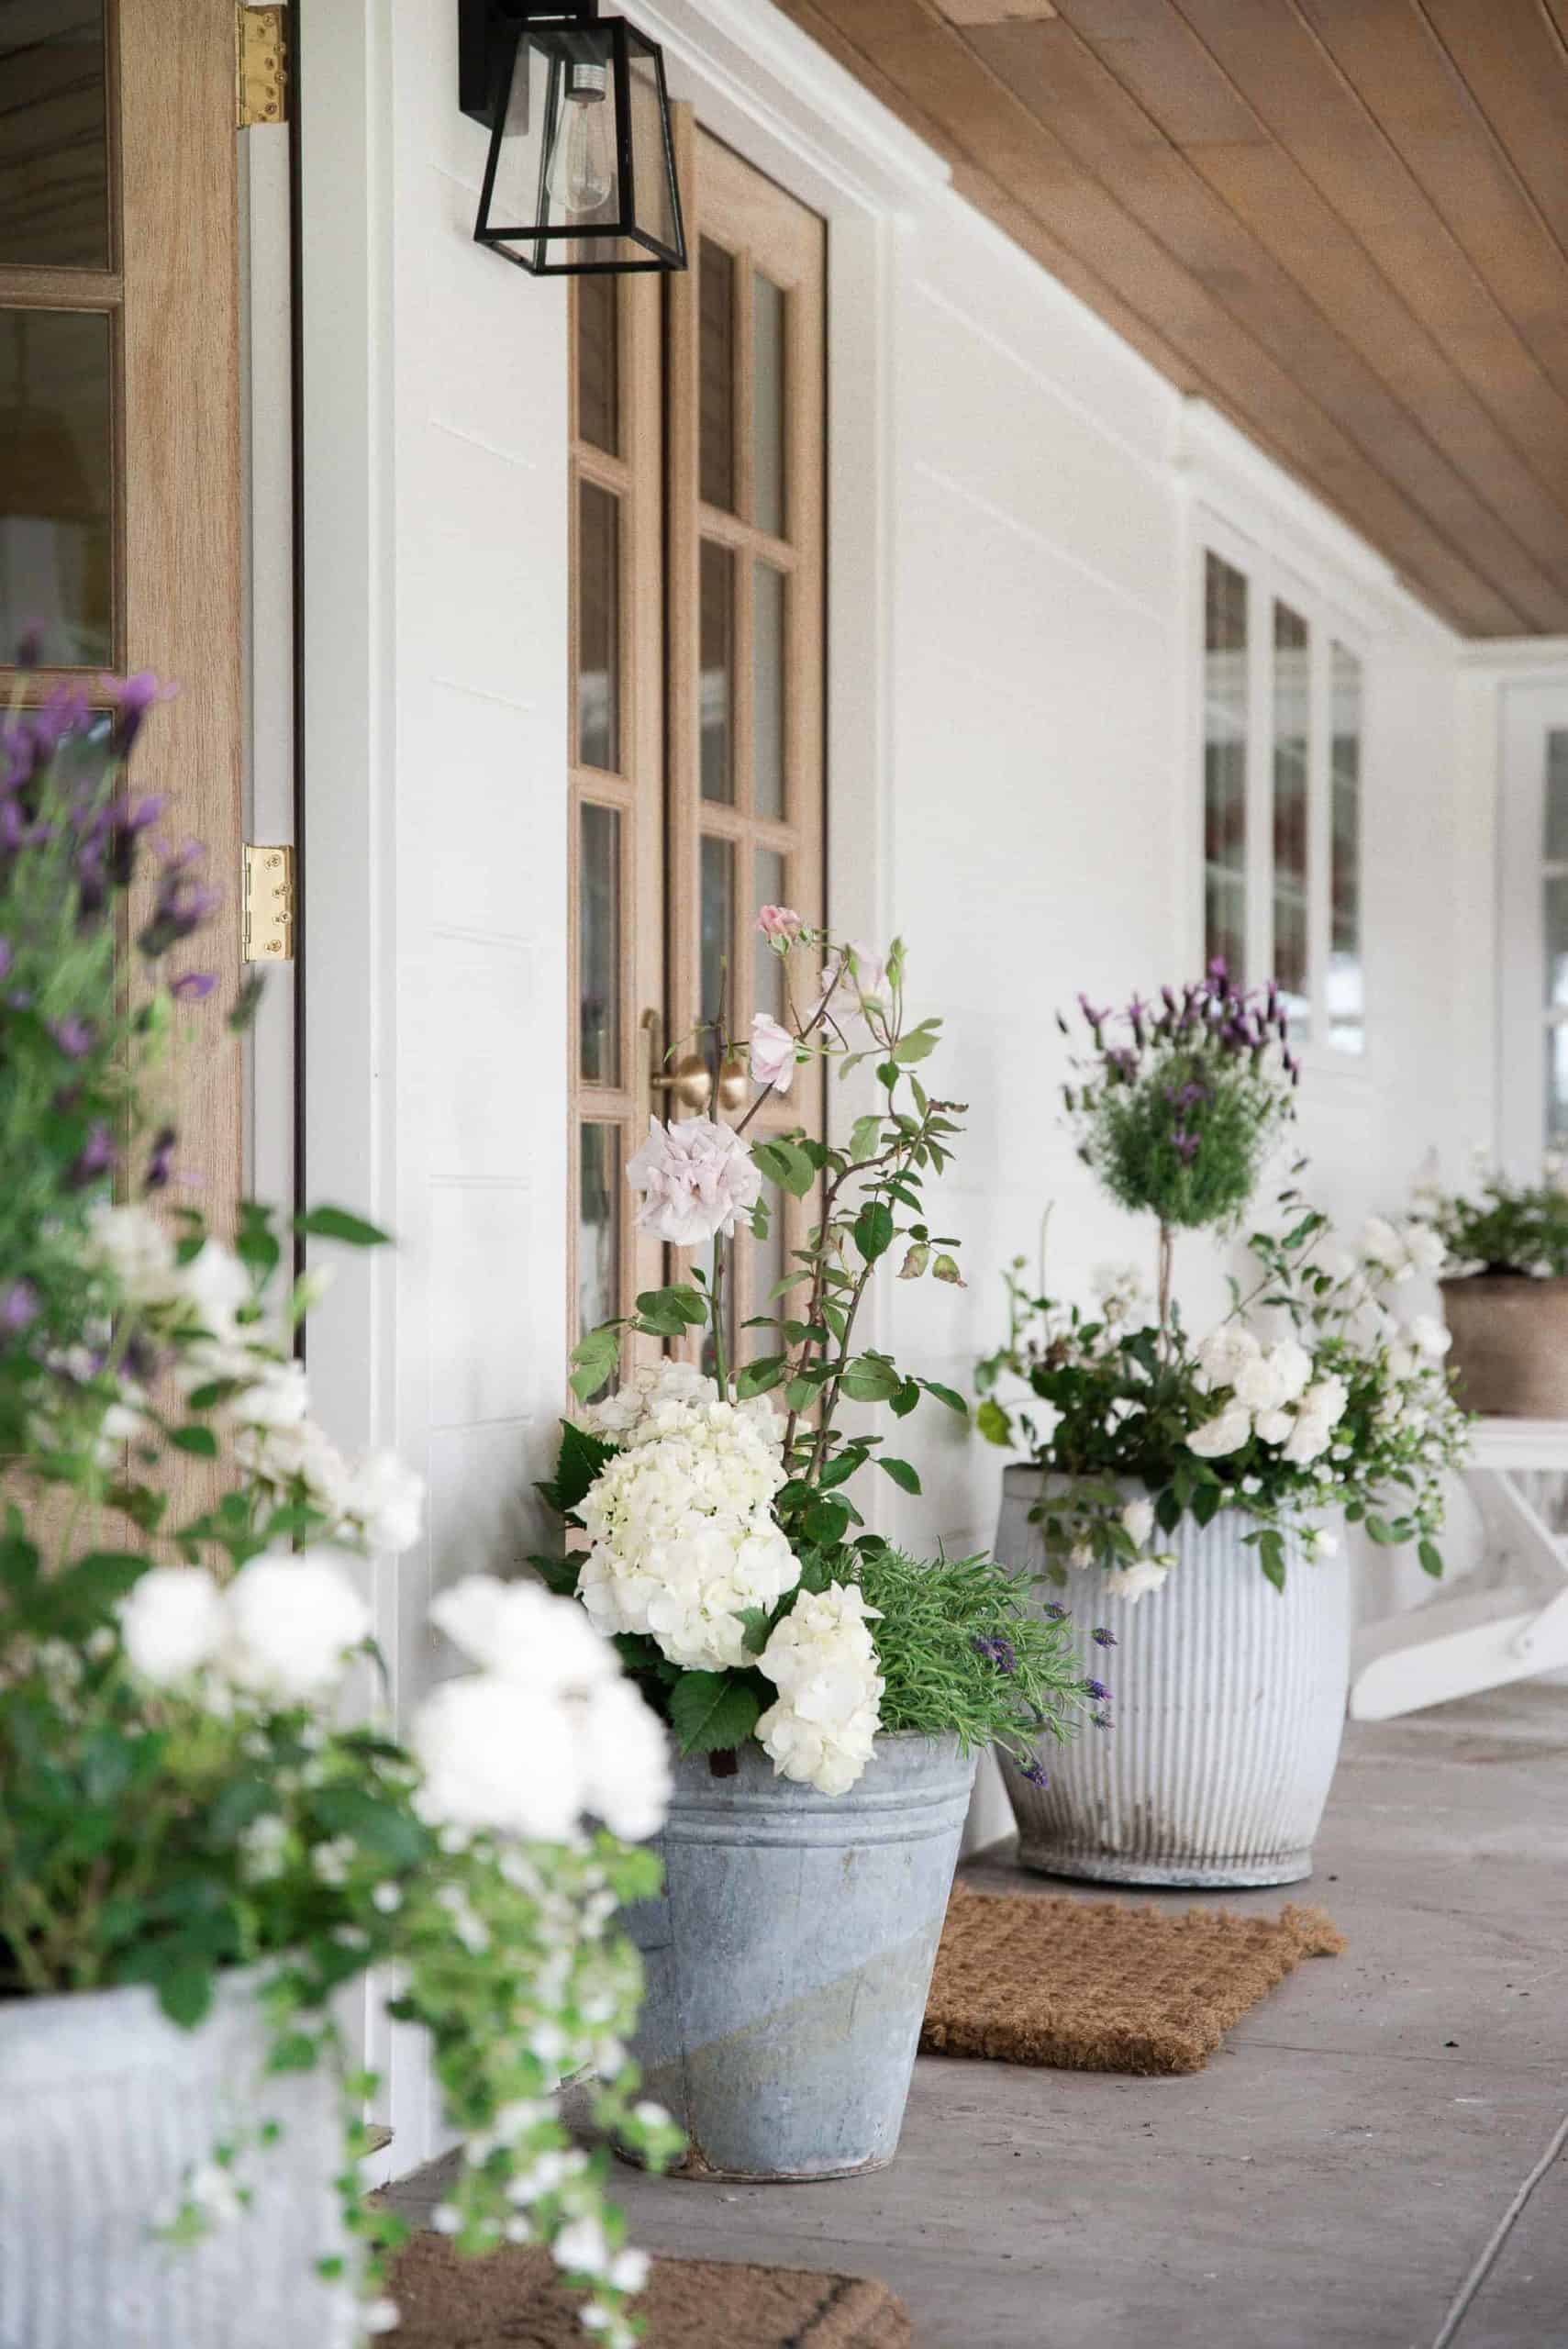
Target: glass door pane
(1292, 690)
(1225, 764)
(54, 150)
(1346, 994)
(57, 485)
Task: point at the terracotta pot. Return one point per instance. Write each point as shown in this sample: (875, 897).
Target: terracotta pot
(1510, 1345)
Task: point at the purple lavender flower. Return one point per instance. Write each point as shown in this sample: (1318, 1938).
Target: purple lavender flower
(997, 1650)
(19, 1305)
(1101, 1720)
(133, 697)
(1055, 1613)
(94, 1158)
(1098, 1691)
(1101, 1638)
(73, 1035)
(1096, 1019)
(1185, 1145)
(182, 903)
(193, 986)
(1035, 1773)
(6, 958)
(159, 1163)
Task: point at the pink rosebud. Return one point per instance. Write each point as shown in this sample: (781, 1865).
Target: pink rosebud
(772, 1053)
(777, 922)
(697, 1178)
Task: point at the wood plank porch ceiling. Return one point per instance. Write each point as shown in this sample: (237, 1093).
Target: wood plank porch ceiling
(1343, 222)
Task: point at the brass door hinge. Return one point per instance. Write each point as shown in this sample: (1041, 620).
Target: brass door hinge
(269, 905)
(261, 66)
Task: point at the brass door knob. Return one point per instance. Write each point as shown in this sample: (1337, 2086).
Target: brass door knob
(734, 1085)
(690, 1081)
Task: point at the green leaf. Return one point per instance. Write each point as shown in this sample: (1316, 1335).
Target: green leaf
(577, 1470)
(710, 1711)
(1431, 1558)
(993, 1423)
(919, 1045)
(1271, 1556)
(336, 1223)
(671, 1310)
(1381, 1531)
(754, 1622)
(827, 1522)
(944, 1268)
(200, 1442)
(948, 1395)
(378, 1827)
(762, 1376)
(558, 1575)
(1205, 1503)
(902, 1476)
(865, 1139)
(870, 1378)
(905, 1400)
(594, 1360)
(185, 1993)
(874, 1228)
(786, 1164)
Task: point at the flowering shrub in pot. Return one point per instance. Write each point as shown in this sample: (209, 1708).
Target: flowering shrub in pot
(827, 1693)
(205, 1842)
(1502, 1249)
(1162, 1465)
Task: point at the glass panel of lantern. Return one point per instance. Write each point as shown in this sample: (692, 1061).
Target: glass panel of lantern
(581, 173)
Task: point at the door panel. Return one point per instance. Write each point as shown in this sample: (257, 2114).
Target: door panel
(119, 451)
(744, 588)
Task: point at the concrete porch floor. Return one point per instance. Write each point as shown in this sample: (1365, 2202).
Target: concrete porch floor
(1333, 2177)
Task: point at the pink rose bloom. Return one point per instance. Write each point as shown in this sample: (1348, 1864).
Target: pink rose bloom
(780, 921)
(772, 1053)
(696, 1177)
(855, 979)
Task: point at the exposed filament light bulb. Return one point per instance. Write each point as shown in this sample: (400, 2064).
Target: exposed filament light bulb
(582, 173)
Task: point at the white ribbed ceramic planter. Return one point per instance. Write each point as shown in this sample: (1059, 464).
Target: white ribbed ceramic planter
(1229, 1705)
(103, 2108)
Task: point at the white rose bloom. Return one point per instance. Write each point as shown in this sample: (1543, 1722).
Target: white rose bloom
(1381, 1245)
(1220, 1436)
(495, 1756)
(1273, 1427)
(387, 1500)
(822, 1660)
(1132, 1582)
(136, 1251)
(1423, 1248)
(1137, 1519)
(624, 1760)
(519, 1633)
(276, 1396)
(212, 1287)
(1404, 1359)
(171, 1623)
(1325, 1544)
(1308, 1439)
(291, 1622)
(1292, 1366)
(1433, 1337)
(1226, 1354)
(682, 1532)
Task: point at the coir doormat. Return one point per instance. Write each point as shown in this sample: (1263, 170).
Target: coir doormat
(1096, 1985)
(512, 2301)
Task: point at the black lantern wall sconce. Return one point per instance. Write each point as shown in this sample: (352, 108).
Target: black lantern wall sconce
(581, 173)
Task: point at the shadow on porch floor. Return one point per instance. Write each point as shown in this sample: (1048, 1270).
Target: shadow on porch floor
(1334, 2176)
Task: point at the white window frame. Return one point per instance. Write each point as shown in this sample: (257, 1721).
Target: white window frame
(1286, 574)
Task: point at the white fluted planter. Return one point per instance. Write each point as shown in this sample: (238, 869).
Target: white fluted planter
(105, 2107)
(1228, 1705)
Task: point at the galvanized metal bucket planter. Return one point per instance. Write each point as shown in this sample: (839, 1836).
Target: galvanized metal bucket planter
(789, 1957)
(1228, 1710)
(1510, 1344)
(105, 2109)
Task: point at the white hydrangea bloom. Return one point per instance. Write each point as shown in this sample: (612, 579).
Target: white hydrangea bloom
(822, 1660)
(654, 1384)
(682, 1532)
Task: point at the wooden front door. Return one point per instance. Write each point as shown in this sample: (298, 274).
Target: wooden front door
(120, 483)
(697, 690)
